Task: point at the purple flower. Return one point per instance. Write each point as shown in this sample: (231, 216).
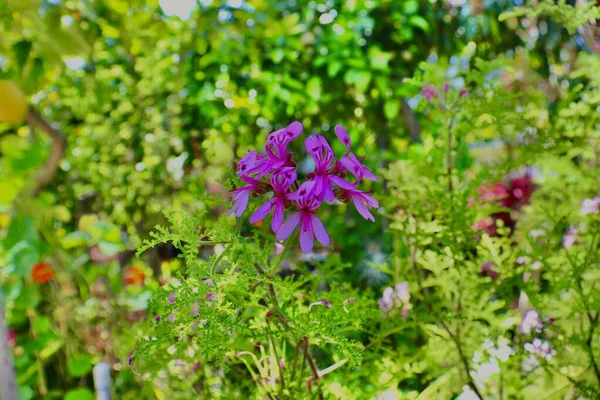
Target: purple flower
(281, 182)
(398, 297)
(276, 149)
(429, 92)
(570, 238)
(326, 303)
(590, 206)
(208, 282)
(350, 162)
(531, 321)
(310, 225)
(487, 269)
(348, 301)
(171, 298)
(463, 92)
(541, 348)
(209, 296)
(322, 153)
(322, 302)
(195, 311)
(157, 318)
(129, 362)
(446, 86)
(248, 162)
(362, 200)
(240, 195)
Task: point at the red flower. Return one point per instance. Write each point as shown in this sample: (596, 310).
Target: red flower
(41, 272)
(134, 276)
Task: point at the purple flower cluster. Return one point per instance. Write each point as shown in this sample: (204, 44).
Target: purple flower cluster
(540, 348)
(395, 298)
(275, 172)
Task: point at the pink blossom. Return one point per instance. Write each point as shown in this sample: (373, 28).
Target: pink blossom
(281, 181)
(397, 297)
(276, 148)
(310, 225)
(531, 321)
(570, 238)
(322, 153)
(429, 93)
(241, 195)
(590, 206)
(362, 200)
(349, 162)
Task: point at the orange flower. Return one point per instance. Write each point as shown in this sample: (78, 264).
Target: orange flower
(41, 272)
(134, 276)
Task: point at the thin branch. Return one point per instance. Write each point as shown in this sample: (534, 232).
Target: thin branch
(59, 144)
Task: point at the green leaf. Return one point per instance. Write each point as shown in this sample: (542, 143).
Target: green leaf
(75, 239)
(79, 394)
(51, 349)
(22, 49)
(26, 393)
(333, 68)
(109, 249)
(379, 59)
(277, 55)
(22, 256)
(313, 87)
(391, 108)
(113, 236)
(410, 7)
(360, 79)
(21, 228)
(79, 365)
(419, 22)
(42, 324)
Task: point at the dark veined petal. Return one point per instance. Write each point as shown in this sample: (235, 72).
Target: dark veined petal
(342, 135)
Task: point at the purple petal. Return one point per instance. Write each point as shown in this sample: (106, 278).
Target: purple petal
(319, 231)
(171, 298)
(282, 180)
(240, 201)
(295, 128)
(328, 193)
(342, 135)
(306, 234)
(247, 163)
(341, 183)
(362, 208)
(286, 229)
(367, 174)
(370, 200)
(262, 211)
(277, 219)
